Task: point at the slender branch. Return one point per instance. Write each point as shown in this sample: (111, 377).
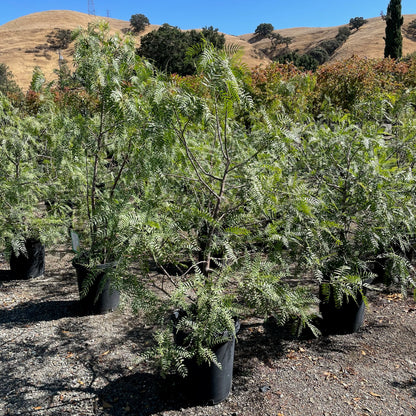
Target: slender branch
(10, 158)
(230, 210)
(218, 131)
(88, 193)
(215, 217)
(190, 154)
(170, 279)
(166, 273)
(190, 268)
(196, 165)
(227, 156)
(126, 158)
(244, 162)
(96, 158)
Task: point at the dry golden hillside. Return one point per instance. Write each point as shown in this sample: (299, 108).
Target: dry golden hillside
(22, 41)
(19, 39)
(367, 41)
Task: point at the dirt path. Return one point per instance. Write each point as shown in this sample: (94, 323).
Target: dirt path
(55, 362)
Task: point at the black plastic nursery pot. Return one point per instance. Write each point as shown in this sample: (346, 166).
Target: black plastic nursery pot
(207, 383)
(31, 264)
(101, 296)
(345, 319)
(381, 265)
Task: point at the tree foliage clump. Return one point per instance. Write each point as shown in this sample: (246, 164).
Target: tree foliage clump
(59, 39)
(282, 86)
(213, 37)
(168, 47)
(138, 22)
(343, 33)
(356, 80)
(8, 85)
(319, 54)
(357, 22)
(278, 39)
(351, 85)
(411, 29)
(330, 45)
(263, 30)
(394, 39)
(303, 61)
(357, 197)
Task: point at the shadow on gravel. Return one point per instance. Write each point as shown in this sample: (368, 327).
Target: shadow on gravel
(256, 342)
(267, 340)
(409, 385)
(30, 312)
(144, 394)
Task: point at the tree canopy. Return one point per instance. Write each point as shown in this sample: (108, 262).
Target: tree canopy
(263, 30)
(357, 22)
(167, 47)
(7, 83)
(278, 39)
(138, 22)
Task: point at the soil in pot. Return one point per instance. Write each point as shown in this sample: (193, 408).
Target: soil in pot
(31, 264)
(345, 319)
(101, 296)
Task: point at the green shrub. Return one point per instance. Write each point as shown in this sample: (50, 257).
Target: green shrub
(356, 79)
(330, 45)
(8, 85)
(282, 85)
(343, 33)
(302, 61)
(168, 47)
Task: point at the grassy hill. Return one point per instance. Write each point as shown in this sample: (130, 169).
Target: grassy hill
(23, 40)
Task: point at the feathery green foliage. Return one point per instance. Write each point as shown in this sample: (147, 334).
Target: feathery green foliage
(237, 190)
(8, 85)
(112, 156)
(26, 180)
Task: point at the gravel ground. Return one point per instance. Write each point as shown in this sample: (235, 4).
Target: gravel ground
(56, 362)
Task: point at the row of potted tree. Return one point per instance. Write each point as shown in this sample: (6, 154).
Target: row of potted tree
(224, 198)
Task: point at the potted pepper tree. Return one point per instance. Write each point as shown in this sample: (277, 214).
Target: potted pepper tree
(106, 128)
(205, 226)
(27, 226)
(366, 208)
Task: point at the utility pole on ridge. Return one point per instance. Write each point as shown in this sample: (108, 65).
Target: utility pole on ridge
(91, 7)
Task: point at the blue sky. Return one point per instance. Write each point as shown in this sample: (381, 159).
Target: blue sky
(234, 17)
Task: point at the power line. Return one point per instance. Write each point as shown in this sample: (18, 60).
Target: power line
(91, 7)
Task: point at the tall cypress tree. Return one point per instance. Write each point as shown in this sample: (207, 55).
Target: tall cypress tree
(394, 38)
